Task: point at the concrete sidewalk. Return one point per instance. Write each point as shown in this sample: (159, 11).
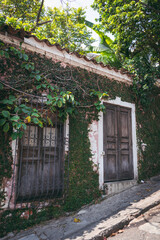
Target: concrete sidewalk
(99, 219)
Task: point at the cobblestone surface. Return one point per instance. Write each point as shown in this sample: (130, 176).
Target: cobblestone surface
(98, 219)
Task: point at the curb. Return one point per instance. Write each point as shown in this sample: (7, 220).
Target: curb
(97, 221)
(106, 227)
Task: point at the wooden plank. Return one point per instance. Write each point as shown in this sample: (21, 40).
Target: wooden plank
(110, 143)
(125, 138)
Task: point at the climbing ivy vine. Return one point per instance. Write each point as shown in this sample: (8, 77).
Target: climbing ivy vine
(69, 91)
(14, 115)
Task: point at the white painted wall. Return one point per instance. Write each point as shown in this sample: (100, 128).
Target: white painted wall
(66, 134)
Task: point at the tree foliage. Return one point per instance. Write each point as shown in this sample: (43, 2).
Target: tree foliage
(63, 26)
(135, 24)
(105, 50)
(136, 27)
(20, 14)
(21, 81)
(24, 10)
(66, 28)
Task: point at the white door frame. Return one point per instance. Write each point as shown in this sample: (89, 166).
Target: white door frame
(101, 153)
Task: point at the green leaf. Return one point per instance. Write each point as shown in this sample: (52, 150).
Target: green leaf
(38, 77)
(6, 55)
(18, 125)
(26, 66)
(21, 134)
(49, 97)
(15, 118)
(25, 110)
(35, 120)
(72, 97)
(1, 86)
(2, 122)
(25, 57)
(22, 105)
(50, 121)
(64, 100)
(14, 124)
(13, 98)
(32, 66)
(1, 53)
(24, 126)
(35, 114)
(6, 101)
(51, 87)
(48, 102)
(16, 109)
(6, 127)
(70, 110)
(59, 104)
(6, 114)
(20, 55)
(35, 110)
(38, 87)
(40, 124)
(14, 135)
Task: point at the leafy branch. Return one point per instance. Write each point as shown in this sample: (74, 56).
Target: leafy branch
(16, 110)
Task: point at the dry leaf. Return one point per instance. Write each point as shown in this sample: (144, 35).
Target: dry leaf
(27, 119)
(148, 190)
(76, 220)
(121, 231)
(113, 234)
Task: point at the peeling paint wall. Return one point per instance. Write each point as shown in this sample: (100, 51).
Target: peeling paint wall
(93, 137)
(10, 184)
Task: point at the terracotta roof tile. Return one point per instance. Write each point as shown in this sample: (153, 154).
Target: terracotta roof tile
(20, 33)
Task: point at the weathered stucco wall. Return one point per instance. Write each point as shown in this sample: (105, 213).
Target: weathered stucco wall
(93, 137)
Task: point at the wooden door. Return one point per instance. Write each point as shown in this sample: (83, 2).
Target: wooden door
(117, 141)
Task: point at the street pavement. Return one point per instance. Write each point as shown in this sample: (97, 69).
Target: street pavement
(145, 227)
(97, 220)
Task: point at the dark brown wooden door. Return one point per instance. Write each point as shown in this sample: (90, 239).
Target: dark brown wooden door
(118, 162)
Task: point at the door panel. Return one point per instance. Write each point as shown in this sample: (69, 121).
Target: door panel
(118, 162)
(110, 144)
(124, 163)
(111, 167)
(125, 140)
(123, 124)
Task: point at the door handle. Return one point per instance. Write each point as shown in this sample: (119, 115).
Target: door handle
(103, 153)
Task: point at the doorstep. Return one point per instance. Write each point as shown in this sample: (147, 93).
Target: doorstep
(119, 186)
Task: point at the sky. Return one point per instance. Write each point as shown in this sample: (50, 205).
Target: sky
(90, 13)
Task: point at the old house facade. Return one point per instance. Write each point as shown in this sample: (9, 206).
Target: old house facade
(39, 155)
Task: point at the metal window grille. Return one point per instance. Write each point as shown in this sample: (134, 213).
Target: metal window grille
(39, 163)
